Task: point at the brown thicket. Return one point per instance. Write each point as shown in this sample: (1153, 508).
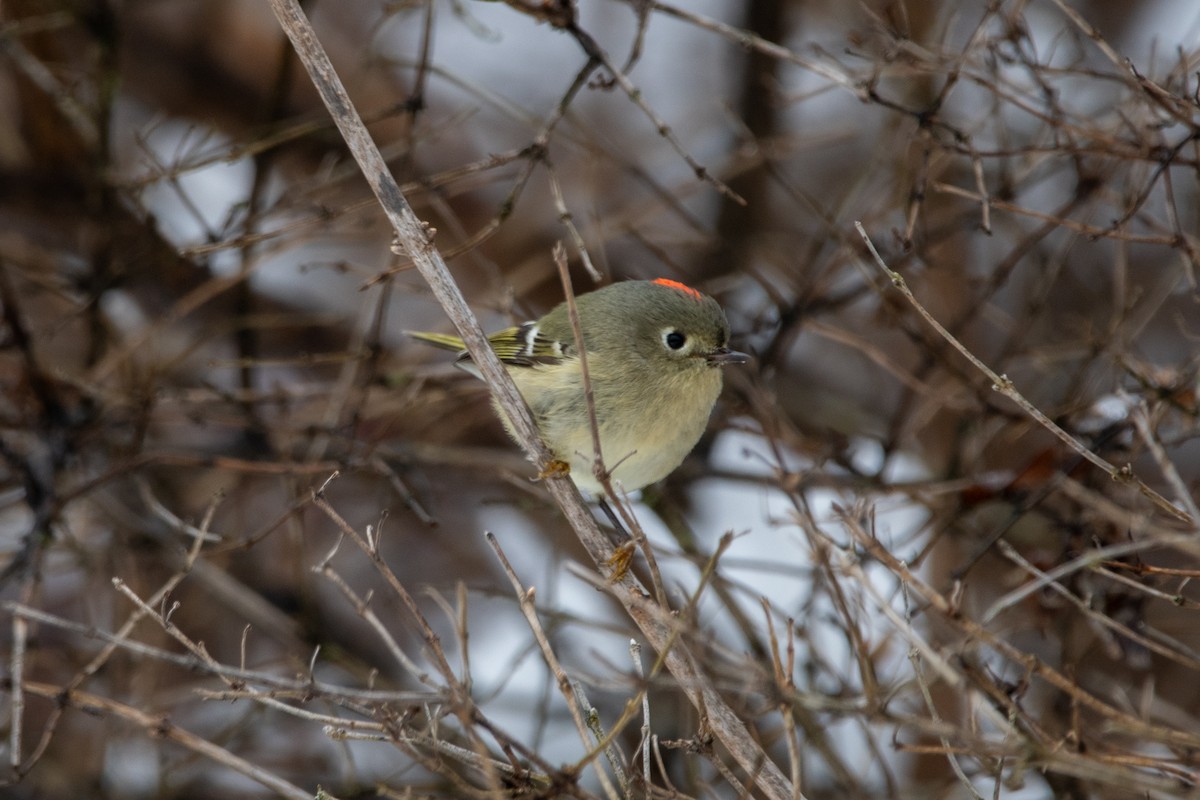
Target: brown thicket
(939, 541)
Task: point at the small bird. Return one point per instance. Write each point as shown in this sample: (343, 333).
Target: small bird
(654, 349)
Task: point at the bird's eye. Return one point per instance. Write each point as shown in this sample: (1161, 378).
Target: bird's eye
(674, 339)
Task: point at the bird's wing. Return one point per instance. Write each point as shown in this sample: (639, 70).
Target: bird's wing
(519, 346)
(524, 346)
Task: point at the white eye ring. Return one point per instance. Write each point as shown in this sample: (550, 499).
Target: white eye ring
(675, 340)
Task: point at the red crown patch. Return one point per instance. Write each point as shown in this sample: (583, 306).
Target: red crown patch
(689, 291)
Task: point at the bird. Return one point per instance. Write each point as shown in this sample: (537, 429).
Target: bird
(654, 352)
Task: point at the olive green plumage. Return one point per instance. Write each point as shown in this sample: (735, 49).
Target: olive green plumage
(653, 352)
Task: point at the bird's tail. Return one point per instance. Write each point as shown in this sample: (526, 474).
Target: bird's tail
(446, 341)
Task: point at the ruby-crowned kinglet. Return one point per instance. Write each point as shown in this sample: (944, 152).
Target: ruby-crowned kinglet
(653, 349)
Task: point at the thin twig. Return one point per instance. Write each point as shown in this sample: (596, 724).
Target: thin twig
(576, 709)
(1003, 385)
(1086, 561)
(1131, 725)
(635, 654)
(599, 471)
(1141, 419)
(157, 726)
(16, 666)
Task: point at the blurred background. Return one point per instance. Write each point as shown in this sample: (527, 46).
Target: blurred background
(904, 583)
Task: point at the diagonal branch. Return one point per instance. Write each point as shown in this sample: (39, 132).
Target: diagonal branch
(416, 241)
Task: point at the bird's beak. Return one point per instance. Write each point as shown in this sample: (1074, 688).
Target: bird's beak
(723, 355)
